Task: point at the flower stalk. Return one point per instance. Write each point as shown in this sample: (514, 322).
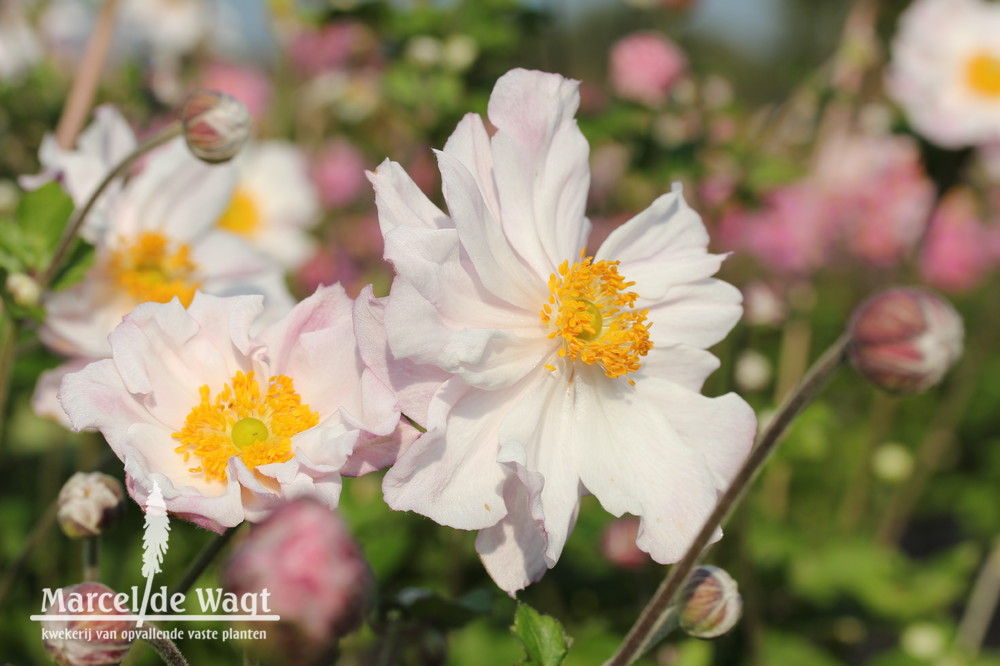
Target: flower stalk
(648, 628)
(80, 214)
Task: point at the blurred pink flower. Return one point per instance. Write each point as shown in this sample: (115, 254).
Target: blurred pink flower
(957, 251)
(318, 580)
(791, 232)
(644, 66)
(880, 196)
(316, 50)
(250, 85)
(339, 173)
(618, 543)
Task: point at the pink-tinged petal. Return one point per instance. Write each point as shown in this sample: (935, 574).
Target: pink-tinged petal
(401, 203)
(435, 263)
(315, 345)
(661, 247)
(176, 194)
(501, 271)
(216, 513)
(154, 446)
(637, 459)
(487, 358)
(414, 384)
(699, 313)
(541, 166)
(374, 453)
(328, 444)
(164, 351)
(513, 550)
(96, 397)
(450, 474)
(45, 400)
(537, 437)
(76, 326)
(470, 145)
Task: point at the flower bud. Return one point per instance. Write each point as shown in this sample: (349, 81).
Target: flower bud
(90, 503)
(216, 125)
(904, 339)
(84, 642)
(23, 289)
(710, 603)
(315, 575)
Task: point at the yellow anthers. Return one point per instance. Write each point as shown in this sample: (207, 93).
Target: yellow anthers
(591, 308)
(241, 422)
(243, 215)
(148, 269)
(983, 74)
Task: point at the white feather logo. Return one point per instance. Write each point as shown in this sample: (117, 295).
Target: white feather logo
(156, 532)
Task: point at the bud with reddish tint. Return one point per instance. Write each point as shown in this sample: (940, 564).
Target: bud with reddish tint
(904, 339)
(710, 604)
(81, 641)
(215, 124)
(315, 576)
(90, 503)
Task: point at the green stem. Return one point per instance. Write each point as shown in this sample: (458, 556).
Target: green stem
(80, 214)
(205, 557)
(645, 630)
(8, 338)
(92, 558)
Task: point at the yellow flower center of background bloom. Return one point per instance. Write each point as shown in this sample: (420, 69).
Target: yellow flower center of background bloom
(150, 270)
(983, 74)
(591, 310)
(243, 423)
(243, 215)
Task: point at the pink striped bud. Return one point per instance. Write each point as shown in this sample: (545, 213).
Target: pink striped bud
(216, 125)
(904, 339)
(81, 641)
(710, 604)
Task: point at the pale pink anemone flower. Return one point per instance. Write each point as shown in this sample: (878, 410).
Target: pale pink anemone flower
(644, 66)
(229, 420)
(945, 70)
(566, 374)
(159, 241)
(957, 254)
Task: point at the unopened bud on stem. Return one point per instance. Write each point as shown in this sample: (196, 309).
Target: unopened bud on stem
(81, 641)
(904, 339)
(90, 503)
(216, 125)
(710, 604)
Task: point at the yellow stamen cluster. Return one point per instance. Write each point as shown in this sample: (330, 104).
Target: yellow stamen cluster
(590, 308)
(983, 74)
(243, 216)
(242, 422)
(148, 269)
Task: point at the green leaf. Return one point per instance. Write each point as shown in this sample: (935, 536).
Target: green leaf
(544, 640)
(41, 216)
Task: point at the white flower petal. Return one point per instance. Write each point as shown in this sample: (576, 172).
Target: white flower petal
(698, 313)
(540, 162)
(451, 474)
(400, 202)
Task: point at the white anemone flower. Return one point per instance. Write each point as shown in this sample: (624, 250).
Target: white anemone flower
(945, 70)
(160, 242)
(567, 373)
(275, 203)
(229, 419)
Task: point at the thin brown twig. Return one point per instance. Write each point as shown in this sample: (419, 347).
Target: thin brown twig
(81, 95)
